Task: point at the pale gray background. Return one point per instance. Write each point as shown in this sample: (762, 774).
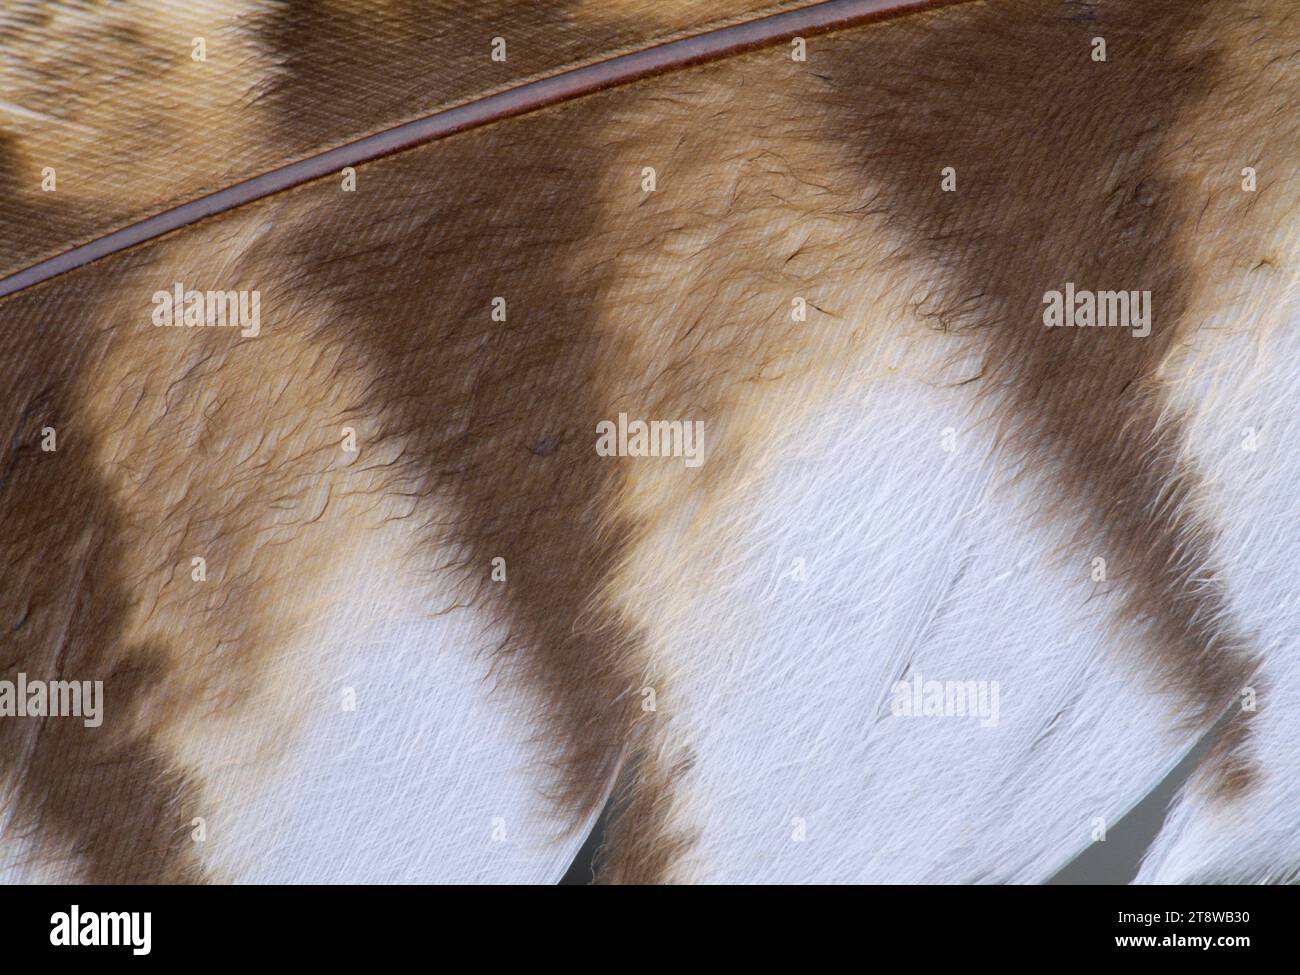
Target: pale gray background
(1112, 862)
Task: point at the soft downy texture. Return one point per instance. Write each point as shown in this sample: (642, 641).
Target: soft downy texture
(914, 479)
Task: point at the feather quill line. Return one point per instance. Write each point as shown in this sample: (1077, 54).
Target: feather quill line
(541, 93)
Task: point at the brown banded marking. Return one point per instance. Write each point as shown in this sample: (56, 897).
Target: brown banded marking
(1114, 189)
(1071, 170)
(470, 403)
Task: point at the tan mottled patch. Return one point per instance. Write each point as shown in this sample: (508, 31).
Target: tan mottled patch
(230, 448)
(110, 97)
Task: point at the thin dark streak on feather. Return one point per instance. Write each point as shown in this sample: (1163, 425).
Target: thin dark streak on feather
(620, 70)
